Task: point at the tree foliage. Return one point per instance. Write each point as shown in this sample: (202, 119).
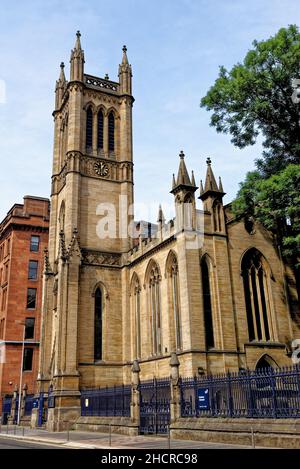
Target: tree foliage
(275, 202)
(254, 98)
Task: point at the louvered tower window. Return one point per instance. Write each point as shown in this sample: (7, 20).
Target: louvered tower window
(100, 130)
(111, 132)
(89, 129)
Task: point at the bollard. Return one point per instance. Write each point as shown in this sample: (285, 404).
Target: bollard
(15, 429)
(109, 438)
(169, 438)
(7, 428)
(252, 438)
(23, 431)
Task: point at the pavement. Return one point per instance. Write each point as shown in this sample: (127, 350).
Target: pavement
(11, 443)
(14, 437)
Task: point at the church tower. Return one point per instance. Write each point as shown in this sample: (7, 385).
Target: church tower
(91, 196)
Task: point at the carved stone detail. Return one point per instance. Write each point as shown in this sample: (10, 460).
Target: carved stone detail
(101, 258)
(94, 167)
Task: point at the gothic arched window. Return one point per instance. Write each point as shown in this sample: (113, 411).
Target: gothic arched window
(257, 297)
(100, 130)
(136, 290)
(175, 302)
(208, 317)
(98, 325)
(111, 132)
(89, 129)
(217, 216)
(155, 309)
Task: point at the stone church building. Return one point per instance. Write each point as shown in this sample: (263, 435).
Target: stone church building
(208, 286)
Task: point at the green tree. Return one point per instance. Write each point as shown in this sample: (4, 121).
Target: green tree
(275, 202)
(254, 98)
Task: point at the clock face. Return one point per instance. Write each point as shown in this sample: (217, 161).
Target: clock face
(101, 169)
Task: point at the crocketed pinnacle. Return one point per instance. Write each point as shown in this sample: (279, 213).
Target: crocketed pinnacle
(211, 185)
(183, 179)
(160, 217)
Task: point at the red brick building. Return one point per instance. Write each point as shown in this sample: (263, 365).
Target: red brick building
(23, 238)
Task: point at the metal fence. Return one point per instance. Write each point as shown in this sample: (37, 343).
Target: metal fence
(265, 393)
(155, 396)
(106, 402)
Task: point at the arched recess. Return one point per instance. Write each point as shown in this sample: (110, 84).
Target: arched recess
(188, 212)
(265, 362)
(207, 301)
(61, 216)
(63, 139)
(218, 216)
(257, 277)
(152, 284)
(172, 275)
(100, 298)
(179, 219)
(60, 228)
(135, 291)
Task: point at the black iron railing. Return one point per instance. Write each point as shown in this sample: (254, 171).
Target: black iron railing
(106, 402)
(155, 396)
(265, 393)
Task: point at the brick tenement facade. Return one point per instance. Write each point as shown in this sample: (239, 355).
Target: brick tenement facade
(23, 238)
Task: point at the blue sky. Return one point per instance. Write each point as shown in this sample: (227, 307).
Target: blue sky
(175, 48)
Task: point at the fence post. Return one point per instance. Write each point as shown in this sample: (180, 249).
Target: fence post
(23, 401)
(195, 386)
(273, 387)
(115, 400)
(251, 400)
(135, 393)
(230, 403)
(175, 410)
(106, 401)
(14, 403)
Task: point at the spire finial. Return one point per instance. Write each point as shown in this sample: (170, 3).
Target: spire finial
(106, 76)
(78, 44)
(62, 77)
(125, 59)
(181, 155)
(208, 161)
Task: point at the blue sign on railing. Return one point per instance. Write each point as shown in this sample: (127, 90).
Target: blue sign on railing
(203, 398)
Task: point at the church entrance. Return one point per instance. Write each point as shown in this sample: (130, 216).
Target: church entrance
(155, 396)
